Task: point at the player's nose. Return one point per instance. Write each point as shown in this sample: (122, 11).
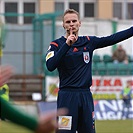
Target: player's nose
(71, 22)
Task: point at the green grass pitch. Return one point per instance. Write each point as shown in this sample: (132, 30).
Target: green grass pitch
(106, 126)
(114, 126)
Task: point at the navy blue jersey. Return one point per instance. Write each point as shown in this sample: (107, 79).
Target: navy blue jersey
(74, 62)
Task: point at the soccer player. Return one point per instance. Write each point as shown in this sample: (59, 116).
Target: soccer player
(44, 124)
(72, 56)
(126, 94)
(4, 93)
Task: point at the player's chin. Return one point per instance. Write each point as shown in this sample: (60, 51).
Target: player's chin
(76, 30)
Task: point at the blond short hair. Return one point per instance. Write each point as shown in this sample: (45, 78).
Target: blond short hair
(70, 11)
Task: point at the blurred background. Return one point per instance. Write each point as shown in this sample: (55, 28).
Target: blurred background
(28, 27)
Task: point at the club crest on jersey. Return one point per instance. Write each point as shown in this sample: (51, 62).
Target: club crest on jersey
(86, 57)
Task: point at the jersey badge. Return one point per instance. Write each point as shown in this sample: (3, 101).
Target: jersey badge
(65, 122)
(49, 55)
(86, 57)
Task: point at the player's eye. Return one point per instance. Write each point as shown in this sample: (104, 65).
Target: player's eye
(74, 21)
(67, 22)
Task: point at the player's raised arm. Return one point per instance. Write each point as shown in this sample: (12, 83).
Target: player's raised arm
(114, 38)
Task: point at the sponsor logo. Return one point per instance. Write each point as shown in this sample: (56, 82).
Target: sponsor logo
(112, 110)
(75, 50)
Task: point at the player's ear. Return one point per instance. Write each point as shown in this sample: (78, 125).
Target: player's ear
(63, 26)
(79, 23)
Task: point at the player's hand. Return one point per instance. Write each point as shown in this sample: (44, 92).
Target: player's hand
(5, 73)
(47, 121)
(71, 38)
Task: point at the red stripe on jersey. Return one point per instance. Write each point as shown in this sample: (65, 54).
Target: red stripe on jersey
(53, 43)
(88, 38)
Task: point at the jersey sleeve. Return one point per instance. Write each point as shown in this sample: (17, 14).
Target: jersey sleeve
(55, 54)
(100, 42)
(11, 113)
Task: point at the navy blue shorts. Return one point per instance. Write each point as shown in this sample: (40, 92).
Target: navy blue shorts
(81, 110)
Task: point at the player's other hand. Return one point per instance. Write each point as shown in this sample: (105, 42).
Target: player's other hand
(47, 121)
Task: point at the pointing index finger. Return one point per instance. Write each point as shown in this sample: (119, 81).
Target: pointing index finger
(71, 31)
